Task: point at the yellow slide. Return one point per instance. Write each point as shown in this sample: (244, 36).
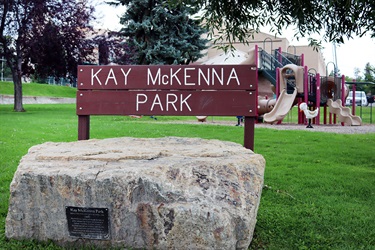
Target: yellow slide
(343, 113)
(283, 104)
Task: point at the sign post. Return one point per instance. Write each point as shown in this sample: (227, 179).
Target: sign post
(217, 90)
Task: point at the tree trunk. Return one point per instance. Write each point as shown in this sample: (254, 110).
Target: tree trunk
(18, 104)
(17, 81)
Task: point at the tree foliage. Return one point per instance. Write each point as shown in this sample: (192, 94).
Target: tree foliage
(369, 73)
(162, 34)
(124, 52)
(369, 76)
(365, 78)
(113, 48)
(62, 44)
(43, 36)
(334, 19)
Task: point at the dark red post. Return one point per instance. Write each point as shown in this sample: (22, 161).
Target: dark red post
(343, 92)
(249, 132)
(318, 97)
(83, 127)
(278, 87)
(353, 98)
(305, 89)
(325, 114)
(300, 119)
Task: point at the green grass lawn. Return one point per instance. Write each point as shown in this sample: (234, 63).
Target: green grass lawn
(319, 187)
(36, 89)
(366, 113)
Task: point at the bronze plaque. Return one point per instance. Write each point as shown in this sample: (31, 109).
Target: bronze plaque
(88, 222)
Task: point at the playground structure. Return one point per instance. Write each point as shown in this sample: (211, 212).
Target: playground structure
(271, 54)
(343, 113)
(294, 84)
(290, 83)
(308, 113)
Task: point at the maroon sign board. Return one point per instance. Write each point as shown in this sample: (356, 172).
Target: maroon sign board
(218, 90)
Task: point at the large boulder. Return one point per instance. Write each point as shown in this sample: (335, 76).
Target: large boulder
(165, 193)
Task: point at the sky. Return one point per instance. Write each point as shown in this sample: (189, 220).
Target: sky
(108, 17)
(354, 53)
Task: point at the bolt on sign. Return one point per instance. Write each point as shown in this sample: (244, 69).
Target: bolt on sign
(188, 90)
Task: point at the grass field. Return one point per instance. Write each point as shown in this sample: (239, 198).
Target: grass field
(319, 188)
(366, 113)
(36, 89)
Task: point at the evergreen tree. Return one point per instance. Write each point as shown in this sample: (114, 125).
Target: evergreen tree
(162, 34)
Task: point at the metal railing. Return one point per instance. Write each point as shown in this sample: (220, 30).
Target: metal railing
(61, 81)
(287, 58)
(268, 65)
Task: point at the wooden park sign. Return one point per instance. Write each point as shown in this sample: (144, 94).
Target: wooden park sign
(189, 90)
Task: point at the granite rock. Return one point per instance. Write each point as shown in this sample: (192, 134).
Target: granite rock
(163, 193)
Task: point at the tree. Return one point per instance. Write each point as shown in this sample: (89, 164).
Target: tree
(124, 53)
(357, 74)
(45, 34)
(114, 49)
(162, 34)
(369, 76)
(237, 19)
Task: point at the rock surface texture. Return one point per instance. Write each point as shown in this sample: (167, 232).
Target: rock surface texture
(165, 193)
